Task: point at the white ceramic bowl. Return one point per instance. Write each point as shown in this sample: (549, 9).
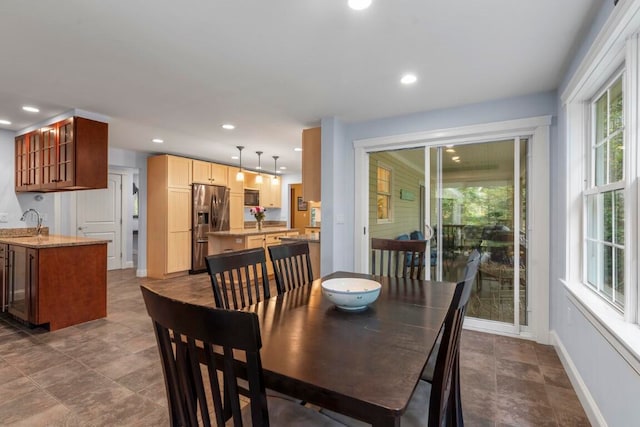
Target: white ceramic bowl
(351, 293)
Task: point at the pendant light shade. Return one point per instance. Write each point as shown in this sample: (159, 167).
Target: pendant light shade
(275, 169)
(259, 177)
(240, 175)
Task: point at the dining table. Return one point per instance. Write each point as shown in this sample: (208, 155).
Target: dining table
(363, 364)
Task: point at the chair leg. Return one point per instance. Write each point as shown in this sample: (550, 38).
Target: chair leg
(457, 399)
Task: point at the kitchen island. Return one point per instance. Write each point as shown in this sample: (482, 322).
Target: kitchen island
(313, 239)
(55, 281)
(227, 241)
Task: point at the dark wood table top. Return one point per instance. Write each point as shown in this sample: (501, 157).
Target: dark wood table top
(363, 364)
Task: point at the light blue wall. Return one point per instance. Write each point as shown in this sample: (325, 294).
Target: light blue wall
(611, 381)
(338, 179)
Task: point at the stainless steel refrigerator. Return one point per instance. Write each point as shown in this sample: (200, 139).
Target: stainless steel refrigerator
(210, 213)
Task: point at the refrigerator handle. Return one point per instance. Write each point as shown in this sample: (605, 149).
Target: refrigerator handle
(212, 212)
(225, 207)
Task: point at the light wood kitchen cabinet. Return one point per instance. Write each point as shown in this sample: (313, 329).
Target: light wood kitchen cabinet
(234, 185)
(178, 171)
(236, 211)
(169, 216)
(270, 196)
(311, 164)
(68, 155)
(236, 199)
(210, 173)
(248, 240)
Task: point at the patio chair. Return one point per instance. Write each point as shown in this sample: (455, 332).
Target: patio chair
(398, 258)
(291, 265)
(197, 342)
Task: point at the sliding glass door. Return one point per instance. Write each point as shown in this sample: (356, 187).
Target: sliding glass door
(474, 197)
(478, 201)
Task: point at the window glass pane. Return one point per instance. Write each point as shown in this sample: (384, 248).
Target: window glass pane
(383, 207)
(601, 118)
(619, 217)
(592, 263)
(384, 176)
(607, 271)
(619, 295)
(616, 158)
(615, 107)
(600, 165)
(607, 207)
(592, 223)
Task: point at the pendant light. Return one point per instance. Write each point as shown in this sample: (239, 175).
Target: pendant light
(259, 177)
(240, 175)
(275, 171)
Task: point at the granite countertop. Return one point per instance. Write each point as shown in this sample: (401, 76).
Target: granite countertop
(49, 241)
(251, 232)
(309, 237)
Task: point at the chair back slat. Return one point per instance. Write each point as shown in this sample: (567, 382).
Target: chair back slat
(398, 258)
(197, 342)
(291, 265)
(238, 278)
(446, 368)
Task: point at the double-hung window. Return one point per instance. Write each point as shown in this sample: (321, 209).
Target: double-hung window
(383, 193)
(604, 196)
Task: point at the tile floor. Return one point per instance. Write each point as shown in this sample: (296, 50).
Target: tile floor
(107, 373)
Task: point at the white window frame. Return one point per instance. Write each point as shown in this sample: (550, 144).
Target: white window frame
(389, 219)
(592, 189)
(616, 45)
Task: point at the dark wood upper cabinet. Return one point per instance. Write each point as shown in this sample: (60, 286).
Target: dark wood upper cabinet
(69, 155)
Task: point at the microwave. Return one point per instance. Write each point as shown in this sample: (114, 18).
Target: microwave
(251, 197)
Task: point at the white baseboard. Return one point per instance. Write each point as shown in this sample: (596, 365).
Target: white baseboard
(587, 401)
(141, 273)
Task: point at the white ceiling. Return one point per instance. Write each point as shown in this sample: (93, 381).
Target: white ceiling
(178, 70)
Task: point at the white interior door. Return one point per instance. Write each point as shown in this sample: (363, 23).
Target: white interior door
(99, 215)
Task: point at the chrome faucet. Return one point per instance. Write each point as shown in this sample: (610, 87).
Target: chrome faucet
(38, 218)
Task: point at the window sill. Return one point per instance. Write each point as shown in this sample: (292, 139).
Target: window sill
(624, 337)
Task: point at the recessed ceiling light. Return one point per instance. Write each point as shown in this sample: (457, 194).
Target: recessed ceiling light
(450, 150)
(359, 4)
(30, 109)
(408, 79)
(283, 167)
(297, 149)
(234, 157)
(5, 122)
(157, 140)
(228, 126)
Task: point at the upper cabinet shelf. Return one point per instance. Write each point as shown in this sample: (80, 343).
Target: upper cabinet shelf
(68, 155)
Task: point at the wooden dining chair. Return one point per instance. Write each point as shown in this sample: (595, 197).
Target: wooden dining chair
(434, 403)
(468, 277)
(238, 278)
(291, 265)
(186, 335)
(398, 258)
